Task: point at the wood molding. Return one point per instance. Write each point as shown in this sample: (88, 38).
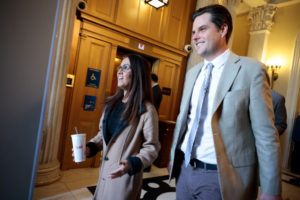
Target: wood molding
(120, 39)
(88, 17)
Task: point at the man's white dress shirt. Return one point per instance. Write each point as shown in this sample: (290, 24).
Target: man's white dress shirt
(204, 148)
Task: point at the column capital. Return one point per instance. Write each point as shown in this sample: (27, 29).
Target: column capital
(262, 17)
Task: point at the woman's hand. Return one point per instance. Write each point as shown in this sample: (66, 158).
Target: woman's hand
(73, 155)
(87, 151)
(123, 169)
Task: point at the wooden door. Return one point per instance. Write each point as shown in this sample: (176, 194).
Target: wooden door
(93, 60)
(167, 75)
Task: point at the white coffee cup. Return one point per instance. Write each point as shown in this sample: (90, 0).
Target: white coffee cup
(78, 141)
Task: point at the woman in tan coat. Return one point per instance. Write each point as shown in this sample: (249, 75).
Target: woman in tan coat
(128, 133)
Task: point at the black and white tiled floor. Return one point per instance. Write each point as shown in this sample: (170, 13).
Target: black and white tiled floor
(73, 185)
(158, 188)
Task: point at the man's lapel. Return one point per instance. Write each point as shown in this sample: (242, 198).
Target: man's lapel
(230, 71)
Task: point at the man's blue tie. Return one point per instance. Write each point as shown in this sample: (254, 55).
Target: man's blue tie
(201, 112)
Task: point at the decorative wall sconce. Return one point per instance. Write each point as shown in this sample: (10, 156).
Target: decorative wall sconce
(157, 3)
(274, 73)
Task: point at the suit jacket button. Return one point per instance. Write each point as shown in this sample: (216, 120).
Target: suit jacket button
(106, 158)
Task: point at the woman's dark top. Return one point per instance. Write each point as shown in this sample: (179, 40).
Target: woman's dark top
(114, 123)
(114, 120)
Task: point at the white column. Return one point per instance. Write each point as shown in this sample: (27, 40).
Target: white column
(258, 44)
(261, 23)
(49, 167)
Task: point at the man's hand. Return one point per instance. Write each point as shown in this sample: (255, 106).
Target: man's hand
(123, 169)
(269, 197)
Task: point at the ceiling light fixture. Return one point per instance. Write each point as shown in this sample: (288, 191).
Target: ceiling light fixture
(157, 3)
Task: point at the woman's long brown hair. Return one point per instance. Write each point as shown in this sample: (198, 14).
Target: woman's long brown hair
(139, 90)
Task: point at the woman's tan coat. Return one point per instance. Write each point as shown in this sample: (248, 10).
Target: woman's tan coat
(137, 139)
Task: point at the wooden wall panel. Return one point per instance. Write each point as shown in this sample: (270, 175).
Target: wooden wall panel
(128, 13)
(141, 18)
(175, 23)
(103, 9)
(144, 17)
(155, 26)
(168, 25)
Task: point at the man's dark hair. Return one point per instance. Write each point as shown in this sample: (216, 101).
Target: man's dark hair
(219, 16)
(154, 77)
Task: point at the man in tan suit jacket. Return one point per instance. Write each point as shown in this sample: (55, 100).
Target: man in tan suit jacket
(236, 146)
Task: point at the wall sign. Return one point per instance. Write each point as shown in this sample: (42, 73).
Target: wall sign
(89, 103)
(166, 91)
(93, 78)
(70, 80)
(141, 46)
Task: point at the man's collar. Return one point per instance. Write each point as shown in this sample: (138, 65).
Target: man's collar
(219, 60)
